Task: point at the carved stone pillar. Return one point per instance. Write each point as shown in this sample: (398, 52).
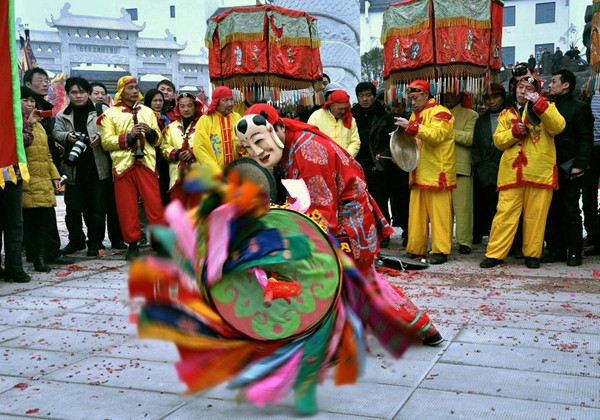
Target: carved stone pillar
(339, 27)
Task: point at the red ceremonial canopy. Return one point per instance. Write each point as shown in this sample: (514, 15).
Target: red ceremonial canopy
(451, 43)
(264, 48)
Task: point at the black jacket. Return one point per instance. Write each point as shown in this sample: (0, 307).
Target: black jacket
(486, 157)
(378, 122)
(577, 139)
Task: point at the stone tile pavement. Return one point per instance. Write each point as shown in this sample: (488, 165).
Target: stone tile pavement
(520, 344)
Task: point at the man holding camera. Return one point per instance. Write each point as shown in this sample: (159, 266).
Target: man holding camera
(86, 166)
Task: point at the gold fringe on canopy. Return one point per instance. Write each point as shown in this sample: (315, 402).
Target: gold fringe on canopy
(462, 21)
(406, 31)
(295, 42)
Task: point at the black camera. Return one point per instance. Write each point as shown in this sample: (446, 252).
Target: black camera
(81, 143)
(520, 70)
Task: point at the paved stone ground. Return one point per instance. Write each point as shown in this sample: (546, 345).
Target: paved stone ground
(520, 344)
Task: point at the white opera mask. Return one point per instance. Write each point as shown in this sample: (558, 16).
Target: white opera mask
(259, 138)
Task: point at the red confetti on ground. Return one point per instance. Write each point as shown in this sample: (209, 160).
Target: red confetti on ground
(595, 273)
(22, 385)
(71, 268)
(32, 411)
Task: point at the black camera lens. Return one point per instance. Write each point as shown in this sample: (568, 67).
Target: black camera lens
(520, 70)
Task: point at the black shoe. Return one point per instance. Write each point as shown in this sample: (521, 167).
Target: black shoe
(22, 277)
(93, 251)
(551, 256)
(463, 249)
(118, 245)
(414, 256)
(490, 262)
(434, 340)
(385, 243)
(531, 262)
(132, 252)
(437, 259)
(61, 260)
(40, 265)
(574, 260)
(72, 248)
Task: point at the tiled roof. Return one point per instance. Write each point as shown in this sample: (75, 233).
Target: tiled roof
(120, 24)
(43, 36)
(192, 59)
(159, 44)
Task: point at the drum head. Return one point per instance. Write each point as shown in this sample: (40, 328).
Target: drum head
(238, 298)
(404, 150)
(250, 169)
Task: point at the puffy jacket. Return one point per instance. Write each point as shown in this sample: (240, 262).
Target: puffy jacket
(529, 158)
(39, 191)
(577, 139)
(380, 124)
(64, 125)
(116, 124)
(433, 128)
(348, 138)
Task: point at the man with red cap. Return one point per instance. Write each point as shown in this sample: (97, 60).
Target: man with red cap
(527, 173)
(335, 119)
(432, 127)
(337, 189)
(215, 145)
(462, 196)
(129, 132)
(176, 147)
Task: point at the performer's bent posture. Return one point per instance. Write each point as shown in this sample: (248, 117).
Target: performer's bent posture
(337, 189)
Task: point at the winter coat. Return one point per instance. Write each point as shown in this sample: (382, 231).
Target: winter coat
(378, 141)
(63, 126)
(486, 157)
(39, 191)
(348, 138)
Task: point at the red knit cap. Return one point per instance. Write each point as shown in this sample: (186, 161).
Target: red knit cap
(341, 97)
(219, 93)
(270, 113)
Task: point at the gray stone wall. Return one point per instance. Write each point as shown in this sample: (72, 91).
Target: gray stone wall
(339, 26)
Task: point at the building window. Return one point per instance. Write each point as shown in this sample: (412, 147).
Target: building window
(508, 55)
(172, 9)
(509, 16)
(549, 47)
(132, 13)
(544, 12)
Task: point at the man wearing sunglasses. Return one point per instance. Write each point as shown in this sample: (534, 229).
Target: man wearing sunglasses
(432, 127)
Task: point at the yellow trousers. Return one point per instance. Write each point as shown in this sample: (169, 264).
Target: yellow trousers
(462, 204)
(533, 203)
(429, 206)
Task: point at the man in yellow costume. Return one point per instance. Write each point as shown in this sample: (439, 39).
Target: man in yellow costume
(432, 127)
(129, 132)
(215, 144)
(527, 172)
(335, 119)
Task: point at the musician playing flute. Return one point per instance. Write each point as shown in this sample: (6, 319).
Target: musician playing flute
(527, 173)
(130, 133)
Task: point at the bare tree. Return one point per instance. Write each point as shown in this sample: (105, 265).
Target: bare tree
(371, 64)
